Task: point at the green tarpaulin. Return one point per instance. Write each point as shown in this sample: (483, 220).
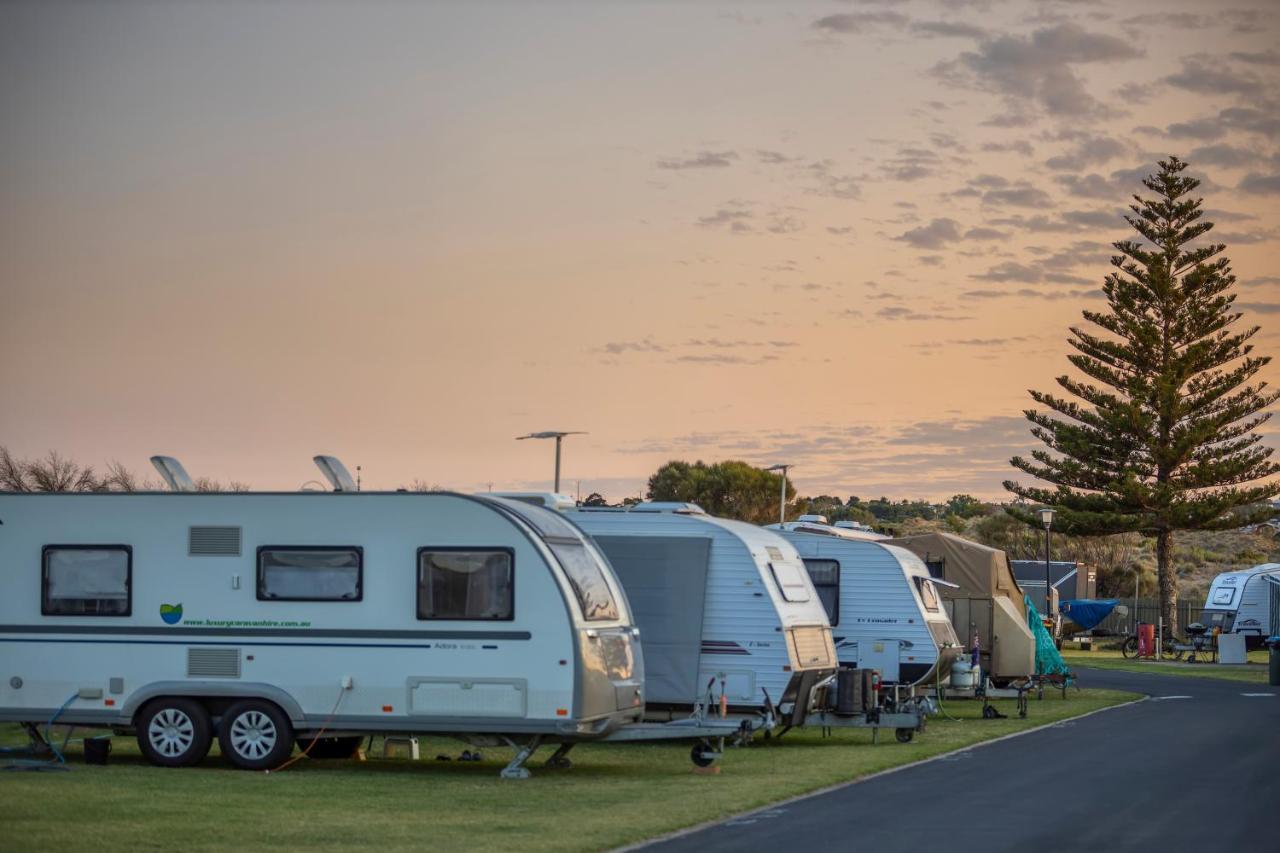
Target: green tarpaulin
(1048, 661)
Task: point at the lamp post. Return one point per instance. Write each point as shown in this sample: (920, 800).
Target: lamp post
(782, 501)
(558, 435)
(1046, 518)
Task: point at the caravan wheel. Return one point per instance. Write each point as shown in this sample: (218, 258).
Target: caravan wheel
(255, 735)
(174, 732)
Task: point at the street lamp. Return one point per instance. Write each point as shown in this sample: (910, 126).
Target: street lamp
(1046, 518)
(782, 501)
(558, 435)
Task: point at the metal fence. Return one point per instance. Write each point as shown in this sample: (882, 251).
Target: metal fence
(1148, 610)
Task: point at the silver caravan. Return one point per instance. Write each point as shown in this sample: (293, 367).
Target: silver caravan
(1246, 602)
(262, 618)
(717, 601)
(884, 610)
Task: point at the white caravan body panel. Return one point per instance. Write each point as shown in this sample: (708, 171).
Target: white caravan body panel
(197, 623)
(880, 610)
(762, 621)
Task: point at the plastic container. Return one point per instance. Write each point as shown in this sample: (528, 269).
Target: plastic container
(96, 750)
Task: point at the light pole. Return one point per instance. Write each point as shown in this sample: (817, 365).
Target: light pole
(558, 435)
(1046, 518)
(782, 501)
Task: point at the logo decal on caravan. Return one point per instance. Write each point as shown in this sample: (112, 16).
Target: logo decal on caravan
(171, 613)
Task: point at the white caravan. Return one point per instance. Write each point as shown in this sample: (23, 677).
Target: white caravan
(884, 611)
(264, 618)
(1246, 602)
(718, 602)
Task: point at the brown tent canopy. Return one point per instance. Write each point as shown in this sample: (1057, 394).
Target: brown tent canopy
(986, 599)
(978, 570)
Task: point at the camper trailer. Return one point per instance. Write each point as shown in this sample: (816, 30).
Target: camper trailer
(718, 602)
(983, 600)
(260, 619)
(1245, 603)
(884, 608)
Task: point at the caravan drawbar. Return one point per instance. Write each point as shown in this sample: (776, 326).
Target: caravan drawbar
(265, 618)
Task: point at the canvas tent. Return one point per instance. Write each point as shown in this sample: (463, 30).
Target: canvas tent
(985, 600)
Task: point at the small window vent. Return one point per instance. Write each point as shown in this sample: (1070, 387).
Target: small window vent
(213, 663)
(215, 542)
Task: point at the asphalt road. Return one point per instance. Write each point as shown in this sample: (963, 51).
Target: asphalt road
(1196, 767)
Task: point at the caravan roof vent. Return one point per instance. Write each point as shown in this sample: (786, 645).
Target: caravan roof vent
(681, 508)
(173, 473)
(813, 519)
(336, 473)
(550, 500)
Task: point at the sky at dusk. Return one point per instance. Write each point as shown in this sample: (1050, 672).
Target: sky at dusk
(845, 236)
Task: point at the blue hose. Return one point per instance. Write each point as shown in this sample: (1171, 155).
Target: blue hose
(49, 725)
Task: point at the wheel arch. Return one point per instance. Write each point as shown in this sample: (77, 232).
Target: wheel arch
(213, 693)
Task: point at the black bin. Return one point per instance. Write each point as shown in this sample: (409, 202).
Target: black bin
(849, 699)
(96, 750)
(1273, 643)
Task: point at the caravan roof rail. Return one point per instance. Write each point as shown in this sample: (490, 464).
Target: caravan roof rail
(678, 507)
(174, 474)
(336, 473)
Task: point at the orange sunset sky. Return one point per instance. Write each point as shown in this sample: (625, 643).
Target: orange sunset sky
(847, 236)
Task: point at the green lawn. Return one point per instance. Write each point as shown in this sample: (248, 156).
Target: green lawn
(613, 795)
(1253, 672)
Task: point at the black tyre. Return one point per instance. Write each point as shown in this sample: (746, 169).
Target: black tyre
(174, 732)
(331, 747)
(904, 735)
(1130, 648)
(702, 755)
(255, 735)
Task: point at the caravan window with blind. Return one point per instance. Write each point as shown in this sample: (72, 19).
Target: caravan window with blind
(825, 575)
(86, 580)
(466, 583)
(928, 594)
(310, 573)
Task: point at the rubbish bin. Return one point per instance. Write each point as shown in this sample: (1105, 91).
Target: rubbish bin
(1273, 643)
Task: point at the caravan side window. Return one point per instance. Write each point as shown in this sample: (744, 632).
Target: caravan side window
(466, 583)
(310, 573)
(928, 594)
(86, 580)
(825, 575)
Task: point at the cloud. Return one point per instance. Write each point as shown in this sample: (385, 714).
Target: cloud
(1226, 156)
(1173, 20)
(935, 235)
(1269, 57)
(1089, 151)
(1247, 119)
(840, 229)
(1020, 146)
(703, 160)
(985, 234)
(784, 225)
(1091, 185)
(1038, 68)
(989, 182)
(831, 184)
(620, 347)
(735, 219)
(1259, 307)
(1028, 293)
(1011, 271)
(1208, 76)
(900, 312)
(949, 29)
(1018, 197)
(773, 157)
(1260, 184)
(860, 22)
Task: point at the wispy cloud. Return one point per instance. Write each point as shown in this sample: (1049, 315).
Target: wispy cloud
(702, 160)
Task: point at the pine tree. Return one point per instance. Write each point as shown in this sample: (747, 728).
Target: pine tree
(1163, 438)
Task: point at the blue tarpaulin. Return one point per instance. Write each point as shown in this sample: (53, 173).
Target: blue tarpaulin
(1088, 612)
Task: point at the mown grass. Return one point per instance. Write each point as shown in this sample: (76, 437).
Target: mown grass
(1253, 672)
(613, 795)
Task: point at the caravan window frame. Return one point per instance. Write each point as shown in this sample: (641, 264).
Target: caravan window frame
(44, 579)
(922, 584)
(463, 549)
(833, 615)
(356, 549)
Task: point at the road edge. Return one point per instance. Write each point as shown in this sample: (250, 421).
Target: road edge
(817, 792)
